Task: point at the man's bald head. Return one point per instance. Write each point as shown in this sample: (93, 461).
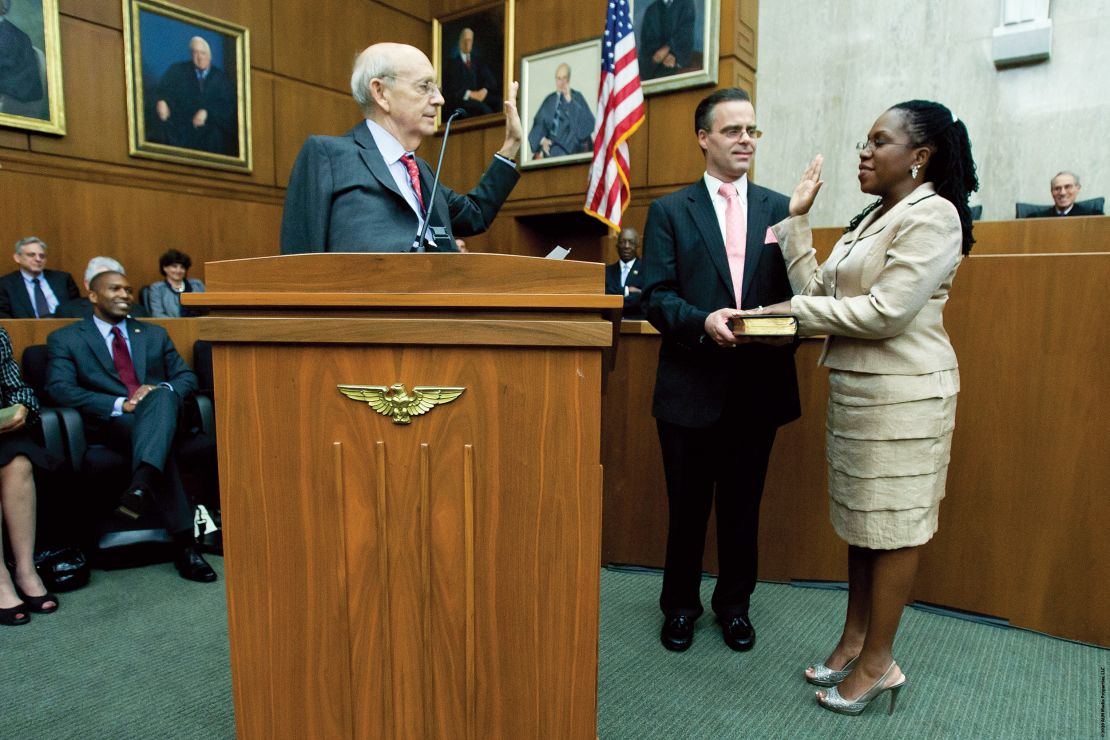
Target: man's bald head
(395, 85)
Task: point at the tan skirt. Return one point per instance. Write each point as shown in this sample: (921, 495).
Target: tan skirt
(888, 458)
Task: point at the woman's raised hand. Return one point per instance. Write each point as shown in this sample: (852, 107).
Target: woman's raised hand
(806, 191)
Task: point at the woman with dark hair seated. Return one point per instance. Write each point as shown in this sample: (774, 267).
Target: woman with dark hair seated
(164, 299)
(893, 376)
(21, 592)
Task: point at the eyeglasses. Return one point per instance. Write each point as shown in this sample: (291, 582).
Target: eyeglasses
(872, 145)
(737, 132)
(426, 88)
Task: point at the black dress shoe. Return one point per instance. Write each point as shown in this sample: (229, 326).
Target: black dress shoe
(193, 567)
(677, 633)
(738, 632)
(132, 504)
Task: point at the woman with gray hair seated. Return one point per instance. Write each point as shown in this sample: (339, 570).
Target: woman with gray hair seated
(164, 299)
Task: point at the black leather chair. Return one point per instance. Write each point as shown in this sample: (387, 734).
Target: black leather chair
(104, 473)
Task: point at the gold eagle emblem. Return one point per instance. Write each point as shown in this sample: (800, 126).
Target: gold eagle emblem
(396, 402)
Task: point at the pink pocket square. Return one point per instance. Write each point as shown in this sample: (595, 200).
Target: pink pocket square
(770, 238)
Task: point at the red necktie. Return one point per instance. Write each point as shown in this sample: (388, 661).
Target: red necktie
(122, 359)
(736, 231)
(414, 179)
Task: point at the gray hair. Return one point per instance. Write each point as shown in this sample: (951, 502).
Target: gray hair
(98, 265)
(368, 66)
(1061, 172)
(19, 245)
(204, 43)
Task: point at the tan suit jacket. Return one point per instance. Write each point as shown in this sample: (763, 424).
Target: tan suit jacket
(882, 306)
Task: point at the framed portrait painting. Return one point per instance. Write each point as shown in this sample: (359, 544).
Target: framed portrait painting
(677, 43)
(558, 104)
(188, 86)
(31, 66)
(472, 51)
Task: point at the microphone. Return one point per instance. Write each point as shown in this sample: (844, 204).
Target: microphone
(422, 232)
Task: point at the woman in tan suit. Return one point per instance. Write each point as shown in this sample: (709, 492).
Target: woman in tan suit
(893, 375)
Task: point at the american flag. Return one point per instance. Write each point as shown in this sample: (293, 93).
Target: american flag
(620, 102)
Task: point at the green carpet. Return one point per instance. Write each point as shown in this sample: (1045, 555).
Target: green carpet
(140, 653)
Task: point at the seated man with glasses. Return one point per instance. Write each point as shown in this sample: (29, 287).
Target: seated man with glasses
(366, 191)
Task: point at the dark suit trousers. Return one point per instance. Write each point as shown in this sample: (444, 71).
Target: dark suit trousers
(147, 435)
(727, 462)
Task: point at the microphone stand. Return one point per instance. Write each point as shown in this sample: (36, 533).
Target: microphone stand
(422, 232)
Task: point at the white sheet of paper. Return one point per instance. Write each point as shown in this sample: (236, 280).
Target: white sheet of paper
(557, 253)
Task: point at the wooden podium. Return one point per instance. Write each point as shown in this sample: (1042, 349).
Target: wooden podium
(431, 579)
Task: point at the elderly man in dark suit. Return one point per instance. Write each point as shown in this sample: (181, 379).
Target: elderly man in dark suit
(1065, 189)
(366, 191)
(718, 401)
(564, 124)
(626, 276)
(195, 105)
(128, 382)
(467, 80)
(32, 291)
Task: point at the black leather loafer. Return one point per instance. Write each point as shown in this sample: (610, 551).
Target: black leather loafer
(738, 632)
(132, 504)
(677, 633)
(193, 567)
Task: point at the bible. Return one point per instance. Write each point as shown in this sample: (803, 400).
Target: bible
(765, 326)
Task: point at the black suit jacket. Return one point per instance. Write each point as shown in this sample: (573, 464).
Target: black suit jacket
(16, 304)
(80, 373)
(686, 278)
(342, 198)
(633, 308)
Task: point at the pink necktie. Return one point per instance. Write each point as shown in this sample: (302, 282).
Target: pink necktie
(736, 229)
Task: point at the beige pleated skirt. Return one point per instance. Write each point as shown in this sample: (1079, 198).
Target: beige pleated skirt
(888, 442)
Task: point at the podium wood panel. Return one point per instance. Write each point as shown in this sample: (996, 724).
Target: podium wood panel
(449, 567)
(434, 579)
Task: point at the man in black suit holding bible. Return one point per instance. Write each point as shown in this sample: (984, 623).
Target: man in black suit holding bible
(718, 400)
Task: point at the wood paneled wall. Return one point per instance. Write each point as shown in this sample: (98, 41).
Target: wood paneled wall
(85, 195)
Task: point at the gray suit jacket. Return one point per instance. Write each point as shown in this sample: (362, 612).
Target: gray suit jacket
(80, 372)
(342, 198)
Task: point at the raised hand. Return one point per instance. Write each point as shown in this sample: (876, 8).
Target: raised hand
(806, 191)
(513, 129)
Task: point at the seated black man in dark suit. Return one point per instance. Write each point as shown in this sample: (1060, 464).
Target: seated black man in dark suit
(128, 382)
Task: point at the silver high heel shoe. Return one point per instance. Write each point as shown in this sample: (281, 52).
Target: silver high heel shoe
(834, 702)
(825, 676)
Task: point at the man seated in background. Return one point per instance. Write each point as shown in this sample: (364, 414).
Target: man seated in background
(128, 382)
(624, 276)
(81, 307)
(1065, 189)
(32, 291)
